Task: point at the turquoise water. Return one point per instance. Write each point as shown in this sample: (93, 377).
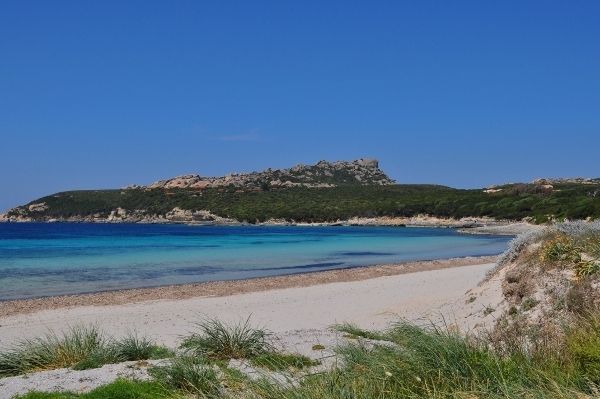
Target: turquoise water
(40, 259)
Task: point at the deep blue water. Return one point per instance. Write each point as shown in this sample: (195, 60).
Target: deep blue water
(40, 259)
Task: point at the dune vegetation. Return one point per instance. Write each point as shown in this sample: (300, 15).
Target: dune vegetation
(80, 347)
(545, 345)
(412, 362)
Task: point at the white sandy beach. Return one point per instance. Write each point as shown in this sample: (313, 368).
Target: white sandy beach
(372, 303)
(300, 316)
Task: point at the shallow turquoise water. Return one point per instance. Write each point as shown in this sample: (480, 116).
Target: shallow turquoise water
(40, 259)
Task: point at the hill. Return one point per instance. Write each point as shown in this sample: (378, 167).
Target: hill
(324, 192)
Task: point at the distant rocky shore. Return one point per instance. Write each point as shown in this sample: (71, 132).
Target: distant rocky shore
(204, 217)
(120, 215)
(328, 193)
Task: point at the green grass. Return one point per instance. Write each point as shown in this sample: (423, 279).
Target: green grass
(217, 340)
(583, 346)
(424, 363)
(133, 347)
(354, 331)
(189, 374)
(56, 351)
(120, 389)
(437, 364)
(283, 361)
(81, 347)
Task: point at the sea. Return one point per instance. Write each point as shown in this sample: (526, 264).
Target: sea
(46, 259)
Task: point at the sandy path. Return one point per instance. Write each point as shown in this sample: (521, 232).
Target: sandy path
(371, 303)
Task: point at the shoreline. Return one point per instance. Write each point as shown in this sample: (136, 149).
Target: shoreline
(224, 288)
(470, 225)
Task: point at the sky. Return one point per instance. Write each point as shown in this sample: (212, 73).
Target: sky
(463, 93)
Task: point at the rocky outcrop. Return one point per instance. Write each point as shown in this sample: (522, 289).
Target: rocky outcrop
(574, 180)
(121, 215)
(467, 224)
(361, 172)
(19, 214)
(187, 216)
(38, 207)
(322, 174)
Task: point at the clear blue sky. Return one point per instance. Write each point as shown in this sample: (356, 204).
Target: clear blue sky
(464, 93)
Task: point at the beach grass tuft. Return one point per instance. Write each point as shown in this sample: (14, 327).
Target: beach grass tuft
(217, 340)
(134, 347)
(191, 374)
(55, 351)
(80, 347)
